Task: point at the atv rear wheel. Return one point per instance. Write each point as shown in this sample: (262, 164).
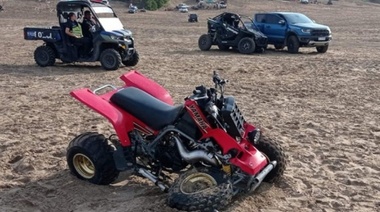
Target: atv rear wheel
(322, 49)
(246, 45)
(293, 44)
(133, 60)
(223, 47)
(90, 158)
(44, 56)
(273, 151)
(205, 189)
(205, 42)
(110, 59)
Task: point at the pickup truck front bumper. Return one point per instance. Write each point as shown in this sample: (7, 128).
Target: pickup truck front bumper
(315, 41)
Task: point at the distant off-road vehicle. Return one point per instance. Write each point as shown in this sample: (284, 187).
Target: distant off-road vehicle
(293, 30)
(193, 17)
(232, 30)
(111, 43)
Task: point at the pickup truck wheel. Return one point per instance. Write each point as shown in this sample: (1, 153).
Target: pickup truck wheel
(279, 46)
(293, 44)
(205, 42)
(322, 49)
(110, 59)
(44, 56)
(246, 45)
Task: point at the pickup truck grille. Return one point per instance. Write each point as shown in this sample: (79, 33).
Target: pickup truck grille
(320, 32)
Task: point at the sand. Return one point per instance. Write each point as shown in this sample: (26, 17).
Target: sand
(323, 108)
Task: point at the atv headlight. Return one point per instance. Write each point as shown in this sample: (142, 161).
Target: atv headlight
(254, 136)
(306, 30)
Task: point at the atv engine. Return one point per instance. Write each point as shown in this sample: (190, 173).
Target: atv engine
(167, 153)
(232, 117)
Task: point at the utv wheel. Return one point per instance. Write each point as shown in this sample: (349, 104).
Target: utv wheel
(273, 151)
(205, 189)
(44, 56)
(90, 158)
(205, 42)
(293, 44)
(133, 60)
(223, 47)
(322, 49)
(279, 46)
(246, 46)
(110, 59)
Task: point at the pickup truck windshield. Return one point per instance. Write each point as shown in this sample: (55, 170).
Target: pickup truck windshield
(297, 18)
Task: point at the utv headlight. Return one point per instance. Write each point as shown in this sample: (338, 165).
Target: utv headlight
(306, 30)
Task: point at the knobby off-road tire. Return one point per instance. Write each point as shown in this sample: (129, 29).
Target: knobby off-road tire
(322, 49)
(218, 195)
(274, 151)
(246, 46)
(205, 42)
(133, 60)
(90, 158)
(44, 56)
(293, 44)
(110, 59)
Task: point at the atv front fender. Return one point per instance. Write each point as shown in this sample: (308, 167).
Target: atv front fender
(138, 80)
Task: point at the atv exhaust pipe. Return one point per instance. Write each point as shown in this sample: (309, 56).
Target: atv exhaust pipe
(255, 181)
(196, 155)
(152, 178)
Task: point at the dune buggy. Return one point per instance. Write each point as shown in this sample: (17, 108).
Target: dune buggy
(232, 30)
(111, 43)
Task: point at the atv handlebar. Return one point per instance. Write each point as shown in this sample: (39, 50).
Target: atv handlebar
(217, 80)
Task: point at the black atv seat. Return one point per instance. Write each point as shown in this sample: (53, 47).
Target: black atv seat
(148, 109)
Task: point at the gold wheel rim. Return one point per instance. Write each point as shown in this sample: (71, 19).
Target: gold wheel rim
(197, 182)
(84, 166)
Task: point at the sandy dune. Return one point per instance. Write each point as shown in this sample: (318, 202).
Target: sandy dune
(323, 108)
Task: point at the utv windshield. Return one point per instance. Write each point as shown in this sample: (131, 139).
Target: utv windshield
(248, 23)
(297, 18)
(107, 18)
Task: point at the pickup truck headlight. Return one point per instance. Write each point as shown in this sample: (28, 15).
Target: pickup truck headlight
(306, 30)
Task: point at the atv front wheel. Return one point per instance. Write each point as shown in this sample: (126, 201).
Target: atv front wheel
(246, 45)
(205, 42)
(293, 44)
(133, 60)
(44, 56)
(322, 49)
(90, 158)
(205, 189)
(273, 151)
(110, 59)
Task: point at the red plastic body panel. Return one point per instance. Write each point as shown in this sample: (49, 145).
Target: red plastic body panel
(249, 159)
(122, 121)
(137, 80)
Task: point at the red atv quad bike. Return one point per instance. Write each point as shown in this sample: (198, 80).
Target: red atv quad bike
(206, 140)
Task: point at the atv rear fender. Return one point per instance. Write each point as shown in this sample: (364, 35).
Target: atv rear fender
(101, 104)
(137, 80)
